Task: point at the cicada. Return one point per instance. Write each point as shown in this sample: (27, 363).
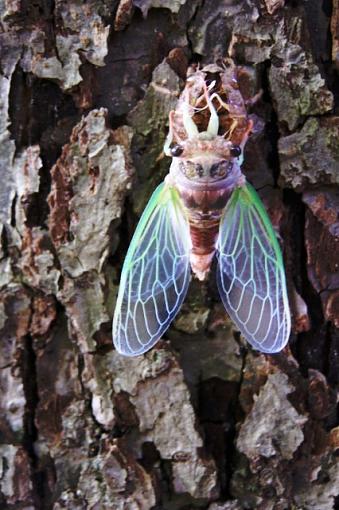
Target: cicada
(204, 207)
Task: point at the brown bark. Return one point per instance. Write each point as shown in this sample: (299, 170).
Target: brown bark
(201, 421)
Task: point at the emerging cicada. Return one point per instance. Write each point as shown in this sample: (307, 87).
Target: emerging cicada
(204, 206)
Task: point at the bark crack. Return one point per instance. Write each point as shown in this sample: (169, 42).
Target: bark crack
(199, 6)
(30, 429)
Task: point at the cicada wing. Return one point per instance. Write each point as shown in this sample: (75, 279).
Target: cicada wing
(251, 277)
(155, 275)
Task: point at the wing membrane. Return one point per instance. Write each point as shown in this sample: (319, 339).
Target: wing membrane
(251, 277)
(155, 274)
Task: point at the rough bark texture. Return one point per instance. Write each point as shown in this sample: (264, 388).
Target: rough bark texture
(201, 421)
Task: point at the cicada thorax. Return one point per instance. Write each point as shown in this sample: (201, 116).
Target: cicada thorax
(208, 131)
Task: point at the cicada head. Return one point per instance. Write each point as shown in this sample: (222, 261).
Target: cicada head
(206, 161)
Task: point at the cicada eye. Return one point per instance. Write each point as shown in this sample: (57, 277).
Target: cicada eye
(235, 151)
(176, 150)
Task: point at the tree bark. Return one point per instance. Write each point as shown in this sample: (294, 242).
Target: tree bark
(201, 421)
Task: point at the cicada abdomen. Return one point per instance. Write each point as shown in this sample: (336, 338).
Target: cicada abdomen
(203, 207)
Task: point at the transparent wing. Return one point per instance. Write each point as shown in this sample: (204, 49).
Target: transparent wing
(155, 274)
(251, 277)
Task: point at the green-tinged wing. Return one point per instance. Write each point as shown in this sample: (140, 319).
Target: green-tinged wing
(251, 276)
(155, 274)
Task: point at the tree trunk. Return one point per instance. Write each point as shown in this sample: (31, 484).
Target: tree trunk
(200, 421)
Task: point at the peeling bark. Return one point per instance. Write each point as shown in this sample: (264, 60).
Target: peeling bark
(201, 421)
